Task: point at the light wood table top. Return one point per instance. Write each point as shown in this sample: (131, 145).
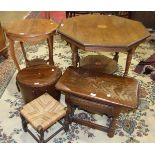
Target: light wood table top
(30, 28)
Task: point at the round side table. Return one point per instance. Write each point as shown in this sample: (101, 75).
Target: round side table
(39, 79)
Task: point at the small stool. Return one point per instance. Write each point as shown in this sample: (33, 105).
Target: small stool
(36, 80)
(101, 94)
(41, 114)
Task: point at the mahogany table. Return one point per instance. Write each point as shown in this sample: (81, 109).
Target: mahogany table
(101, 94)
(103, 33)
(30, 30)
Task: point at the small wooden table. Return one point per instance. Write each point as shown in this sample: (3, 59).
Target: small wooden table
(31, 30)
(102, 94)
(103, 33)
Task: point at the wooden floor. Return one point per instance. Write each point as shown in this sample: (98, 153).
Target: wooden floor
(8, 16)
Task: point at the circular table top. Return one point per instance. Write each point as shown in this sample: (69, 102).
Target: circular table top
(39, 75)
(30, 27)
(98, 64)
(103, 31)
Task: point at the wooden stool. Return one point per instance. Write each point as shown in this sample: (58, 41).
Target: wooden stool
(41, 114)
(102, 94)
(36, 80)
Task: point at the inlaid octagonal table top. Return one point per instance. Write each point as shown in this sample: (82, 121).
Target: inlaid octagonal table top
(103, 30)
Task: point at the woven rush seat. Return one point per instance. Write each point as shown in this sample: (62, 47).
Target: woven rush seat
(42, 113)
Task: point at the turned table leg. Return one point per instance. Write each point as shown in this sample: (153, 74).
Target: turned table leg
(75, 56)
(112, 127)
(5, 54)
(128, 61)
(67, 120)
(24, 53)
(116, 56)
(12, 53)
(113, 123)
(50, 46)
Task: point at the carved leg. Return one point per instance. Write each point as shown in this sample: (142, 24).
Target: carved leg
(12, 53)
(116, 56)
(128, 61)
(50, 46)
(75, 56)
(24, 123)
(112, 127)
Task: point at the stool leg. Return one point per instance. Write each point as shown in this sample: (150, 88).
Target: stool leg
(112, 127)
(24, 123)
(41, 138)
(71, 113)
(66, 123)
(68, 117)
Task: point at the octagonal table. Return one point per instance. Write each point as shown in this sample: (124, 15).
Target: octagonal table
(103, 33)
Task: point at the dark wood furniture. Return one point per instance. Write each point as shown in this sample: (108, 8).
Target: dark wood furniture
(146, 17)
(41, 114)
(31, 30)
(126, 14)
(3, 47)
(99, 64)
(36, 80)
(40, 75)
(70, 14)
(103, 33)
(102, 94)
